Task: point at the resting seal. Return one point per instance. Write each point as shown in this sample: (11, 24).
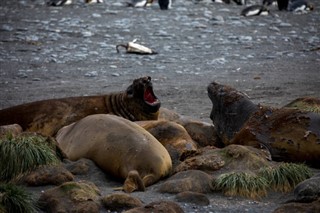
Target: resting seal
(138, 102)
(118, 146)
(289, 134)
(171, 135)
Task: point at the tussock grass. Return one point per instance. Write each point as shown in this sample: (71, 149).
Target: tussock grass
(285, 176)
(22, 154)
(243, 184)
(15, 199)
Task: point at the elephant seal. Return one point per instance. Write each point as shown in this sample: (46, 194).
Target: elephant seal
(138, 102)
(171, 135)
(118, 146)
(288, 134)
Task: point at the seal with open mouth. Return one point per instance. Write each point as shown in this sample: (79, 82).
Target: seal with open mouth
(138, 102)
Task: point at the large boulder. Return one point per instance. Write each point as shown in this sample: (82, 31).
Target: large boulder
(71, 197)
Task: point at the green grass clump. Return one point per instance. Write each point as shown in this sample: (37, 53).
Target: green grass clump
(285, 176)
(22, 154)
(242, 184)
(14, 199)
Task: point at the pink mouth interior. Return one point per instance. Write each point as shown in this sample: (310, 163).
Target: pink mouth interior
(148, 96)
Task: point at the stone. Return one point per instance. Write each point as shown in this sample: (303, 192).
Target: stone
(82, 196)
(193, 197)
(191, 180)
(120, 202)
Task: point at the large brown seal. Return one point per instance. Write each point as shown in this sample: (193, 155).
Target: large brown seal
(120, 147)
(289, 134)
(138, 102)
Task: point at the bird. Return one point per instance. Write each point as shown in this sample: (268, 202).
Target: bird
(165, 4)
(255, 10)
(300, 6)
(269, 2)
(238, 2)
(58, 2)
(93, 1)
(222, 1)
(282, 4)
(139, 3)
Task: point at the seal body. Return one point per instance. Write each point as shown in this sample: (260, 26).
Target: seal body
(138, 102)
(288, 134)
(118, 146)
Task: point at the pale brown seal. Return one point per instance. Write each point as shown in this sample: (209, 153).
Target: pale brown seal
(171, 135)
(289, 134)
(120, 147)
(138, 102)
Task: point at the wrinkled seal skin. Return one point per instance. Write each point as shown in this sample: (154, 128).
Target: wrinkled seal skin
(138, 102)
(118, 146)
(230, 110)
(289, 134)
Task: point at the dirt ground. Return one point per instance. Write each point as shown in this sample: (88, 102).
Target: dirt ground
(51, 52)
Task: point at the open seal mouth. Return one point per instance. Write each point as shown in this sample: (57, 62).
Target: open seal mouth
(149, 97)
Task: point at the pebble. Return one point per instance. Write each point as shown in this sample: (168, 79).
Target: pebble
(91, 74)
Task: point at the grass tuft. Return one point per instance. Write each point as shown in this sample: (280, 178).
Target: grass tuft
(22, 154)
(15, 199)
(285, 176)
(243, 184)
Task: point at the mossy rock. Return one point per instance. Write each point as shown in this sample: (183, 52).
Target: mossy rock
(71, 197)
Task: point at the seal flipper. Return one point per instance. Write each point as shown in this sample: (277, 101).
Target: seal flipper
(133, 182)
(149, 180)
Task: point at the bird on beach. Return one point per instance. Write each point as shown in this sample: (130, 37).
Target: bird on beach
(269, 2)
(93, 1)
(67, 2)
(58, 2)
(139, 3)
(283, 4)
(255, 10)
(300, 6)
(238, 2)
(165, 4)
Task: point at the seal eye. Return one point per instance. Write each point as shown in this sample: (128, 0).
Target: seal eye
(130, 90)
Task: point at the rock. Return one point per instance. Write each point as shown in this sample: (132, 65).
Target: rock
(13, 129)
(308, 104)
(79, 167)
(49, 175)
(158, 207)
(191, 180)
(308, 190)
(71, 197)
(120, 202)
(193, 197)
(248, 158)
(207, 159)
(299, 207)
